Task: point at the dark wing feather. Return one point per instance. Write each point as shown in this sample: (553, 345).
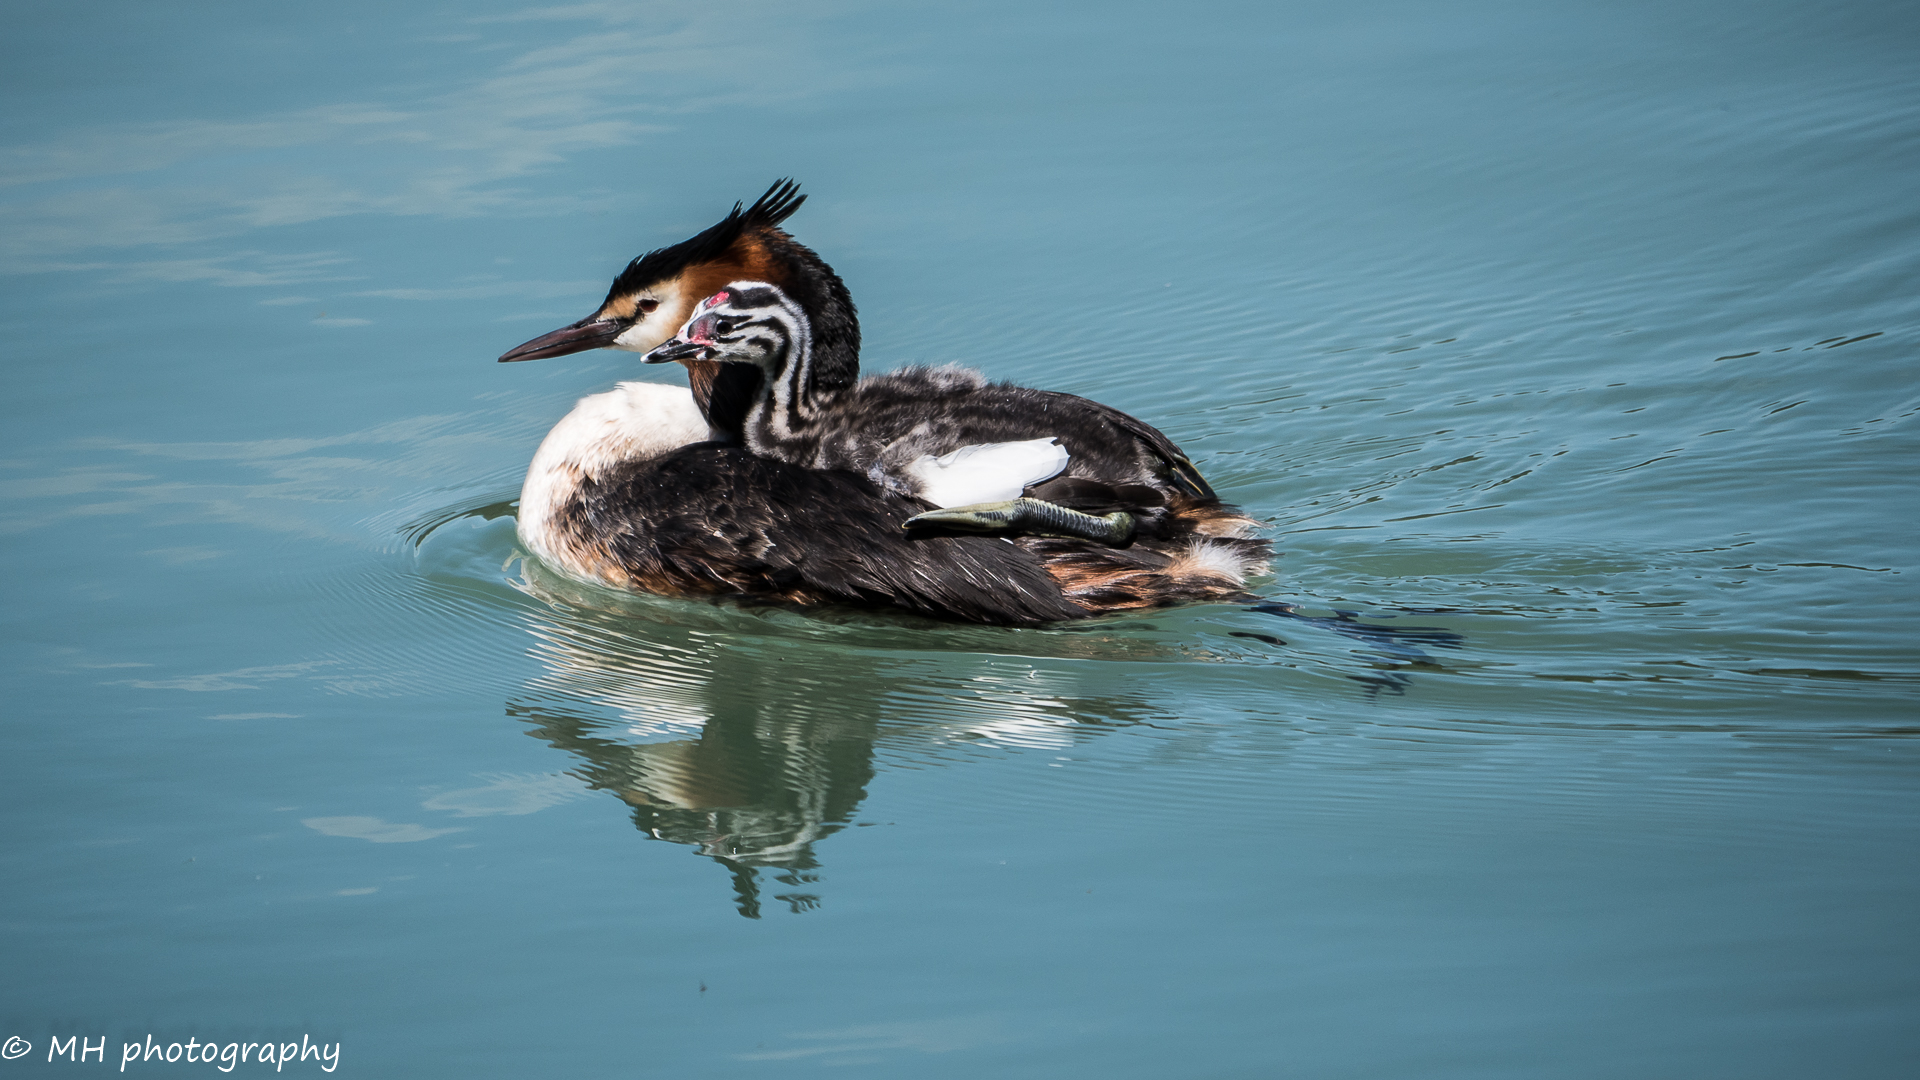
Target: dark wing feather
(948, 409)
(1186, 477)
(717, 519)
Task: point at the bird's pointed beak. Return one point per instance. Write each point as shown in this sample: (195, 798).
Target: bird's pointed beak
(588, 333)
(678, 349)
(693, 342)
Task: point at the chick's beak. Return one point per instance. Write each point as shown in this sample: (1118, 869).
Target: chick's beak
(693, 342)
(588, 333)
(678, 349)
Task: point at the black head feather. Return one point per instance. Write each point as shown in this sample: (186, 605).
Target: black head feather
(778, 204)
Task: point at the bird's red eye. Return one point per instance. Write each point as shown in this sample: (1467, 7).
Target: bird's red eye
(648, 305)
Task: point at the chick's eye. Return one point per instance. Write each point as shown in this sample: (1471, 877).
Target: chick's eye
(647, 306)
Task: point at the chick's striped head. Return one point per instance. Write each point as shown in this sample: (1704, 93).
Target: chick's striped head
(748, 322)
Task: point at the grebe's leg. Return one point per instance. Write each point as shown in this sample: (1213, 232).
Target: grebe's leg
(1028, 517)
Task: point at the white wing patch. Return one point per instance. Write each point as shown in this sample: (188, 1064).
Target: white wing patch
(988, 472)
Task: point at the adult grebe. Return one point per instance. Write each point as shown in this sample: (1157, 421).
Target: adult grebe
(1125, 472)
(614, 496)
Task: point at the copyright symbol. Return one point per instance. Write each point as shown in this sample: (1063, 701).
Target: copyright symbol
(16, 1047)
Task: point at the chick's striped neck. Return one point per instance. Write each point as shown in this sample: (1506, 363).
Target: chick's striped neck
(789, 404)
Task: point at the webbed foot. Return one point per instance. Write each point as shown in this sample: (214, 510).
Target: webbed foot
(1029, 517)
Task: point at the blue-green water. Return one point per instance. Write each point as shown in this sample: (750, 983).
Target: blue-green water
(1587, 333)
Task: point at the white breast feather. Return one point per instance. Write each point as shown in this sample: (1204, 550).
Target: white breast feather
(631, 422)
(988, 472)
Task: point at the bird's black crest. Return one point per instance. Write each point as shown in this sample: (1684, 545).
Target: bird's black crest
(778, 204)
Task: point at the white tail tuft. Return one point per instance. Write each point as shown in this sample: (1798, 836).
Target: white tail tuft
(1208, 559)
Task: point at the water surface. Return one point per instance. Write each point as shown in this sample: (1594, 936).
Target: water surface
(1581, 342)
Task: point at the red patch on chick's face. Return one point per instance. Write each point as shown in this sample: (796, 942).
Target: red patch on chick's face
(700, 330)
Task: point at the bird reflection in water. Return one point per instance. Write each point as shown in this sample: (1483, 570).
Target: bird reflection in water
(749, 736)
(753, 791)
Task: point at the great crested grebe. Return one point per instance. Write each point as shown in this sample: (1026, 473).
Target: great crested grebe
(624, 492)
(616, 495)
(1124, 471)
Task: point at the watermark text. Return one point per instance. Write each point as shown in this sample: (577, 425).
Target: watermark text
(226, 1057)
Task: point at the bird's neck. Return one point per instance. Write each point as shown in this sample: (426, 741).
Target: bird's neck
(726, 394)
(784, 419)
(834, 323)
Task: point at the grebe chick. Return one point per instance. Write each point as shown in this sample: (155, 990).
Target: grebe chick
(945, 433)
